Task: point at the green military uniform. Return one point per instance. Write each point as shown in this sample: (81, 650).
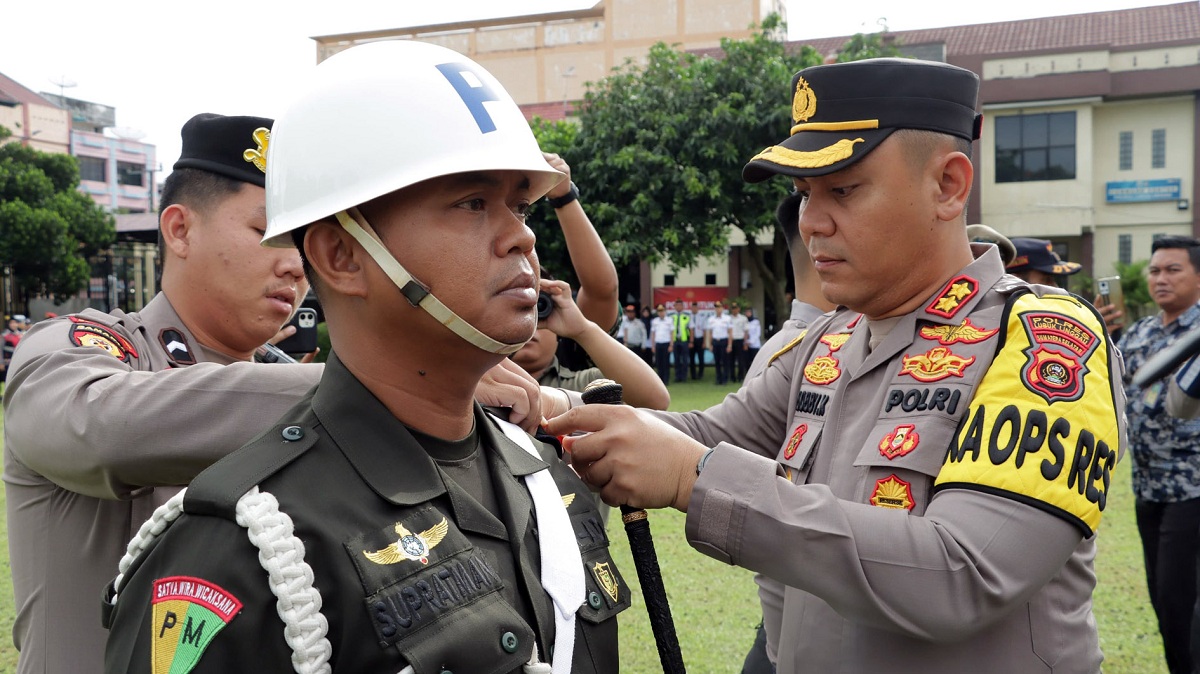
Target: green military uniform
(556, 375)
(410, 565)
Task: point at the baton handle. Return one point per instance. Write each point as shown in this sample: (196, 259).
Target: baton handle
(645, 559)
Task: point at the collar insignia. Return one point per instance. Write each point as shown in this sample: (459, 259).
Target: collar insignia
(414, 547)
(607, 580)
(836, 340)
(1059, 348)
(568, 499)
(967, 333)
(822, 370)
(188, 614)
(935, 364)
(258, 155)
(794, 443)
(804, 101)
(902, 440)
(954, 296)
(87, 333)
(892, 492)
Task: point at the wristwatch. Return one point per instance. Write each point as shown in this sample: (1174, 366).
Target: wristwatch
(559, 202)
(704, 459)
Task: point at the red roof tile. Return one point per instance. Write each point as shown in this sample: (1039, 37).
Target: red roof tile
(11, 89)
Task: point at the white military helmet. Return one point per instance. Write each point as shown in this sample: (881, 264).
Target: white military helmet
(383, 116)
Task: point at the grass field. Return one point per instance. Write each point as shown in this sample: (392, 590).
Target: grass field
(716, 607)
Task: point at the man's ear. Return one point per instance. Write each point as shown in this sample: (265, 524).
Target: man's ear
(175, 225)
(956, 175)
(335, 258)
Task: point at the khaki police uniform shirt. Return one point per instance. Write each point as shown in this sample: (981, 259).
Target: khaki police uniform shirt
(929, 504)
(558, 376)
(349, 474)
(103, 422)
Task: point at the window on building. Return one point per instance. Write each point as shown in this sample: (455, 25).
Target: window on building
(668, 279)
(1035, 147)
(710, 279)
(1158, 148)
(1125, 162)
(93, 168)
(1125, 248)
(130, 174)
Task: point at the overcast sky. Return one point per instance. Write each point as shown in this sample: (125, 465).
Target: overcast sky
(158, 62)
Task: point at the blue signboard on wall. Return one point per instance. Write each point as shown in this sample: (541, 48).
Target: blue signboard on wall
(1135, 191)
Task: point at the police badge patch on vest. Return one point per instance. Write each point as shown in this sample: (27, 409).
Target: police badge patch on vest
(88, 333)
(188, 613)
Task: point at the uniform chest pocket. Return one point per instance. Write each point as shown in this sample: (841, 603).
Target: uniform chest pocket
(901, 460)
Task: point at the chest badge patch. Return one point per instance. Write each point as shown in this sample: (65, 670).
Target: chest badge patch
(902, 440)
(967, 333)
(794, 442)
(892, 492)
(603, 574)
(413, 547)
(954, 296)
(822, 370)
(836, 340)
(935, 364)
(87, 333)
(1059, 348)
(188, 614)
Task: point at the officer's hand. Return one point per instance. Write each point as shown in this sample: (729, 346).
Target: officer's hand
(566, 320)
(1113, 317)
(630, 457)
(559, 164)
(507, 385)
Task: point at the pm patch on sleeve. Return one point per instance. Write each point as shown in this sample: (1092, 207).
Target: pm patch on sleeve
(188, 613)
(87, 333)
(1042, 427)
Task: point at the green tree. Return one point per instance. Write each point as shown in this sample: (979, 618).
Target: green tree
(868, 46)
(660, 148)
(48, 229)
(556, 137)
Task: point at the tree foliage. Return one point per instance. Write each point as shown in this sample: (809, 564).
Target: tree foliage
(659, 150)
(48, 229)
(868, 46)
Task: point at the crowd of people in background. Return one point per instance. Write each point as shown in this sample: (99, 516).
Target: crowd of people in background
(687, 337)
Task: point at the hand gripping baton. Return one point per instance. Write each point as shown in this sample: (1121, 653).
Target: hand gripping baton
(641, 545)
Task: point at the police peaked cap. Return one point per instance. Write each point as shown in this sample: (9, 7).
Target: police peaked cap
(235, 147)
(842, 111)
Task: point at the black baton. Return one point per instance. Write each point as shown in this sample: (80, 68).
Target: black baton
(641, 545)
(1165, 361)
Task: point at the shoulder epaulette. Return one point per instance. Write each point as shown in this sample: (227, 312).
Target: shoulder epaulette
(216, 491)
(787, 347)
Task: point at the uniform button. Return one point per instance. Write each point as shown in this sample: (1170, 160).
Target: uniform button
(509, 642)
(594, 600)
(293, 433)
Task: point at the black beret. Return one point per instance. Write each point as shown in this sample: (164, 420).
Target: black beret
(235, 147)
(842, 111)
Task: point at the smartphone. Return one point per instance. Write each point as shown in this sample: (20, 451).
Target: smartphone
(1109, 290)
(305, 339)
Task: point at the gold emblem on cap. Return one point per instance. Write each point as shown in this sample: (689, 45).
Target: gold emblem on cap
(777, 154)
(804, 101)
(258, 156)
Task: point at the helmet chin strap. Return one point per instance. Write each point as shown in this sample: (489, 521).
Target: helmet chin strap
(416, 294)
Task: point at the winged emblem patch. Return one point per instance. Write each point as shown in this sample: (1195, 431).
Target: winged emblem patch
(410, 546)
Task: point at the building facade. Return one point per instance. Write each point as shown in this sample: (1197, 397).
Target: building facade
(1090, 133)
